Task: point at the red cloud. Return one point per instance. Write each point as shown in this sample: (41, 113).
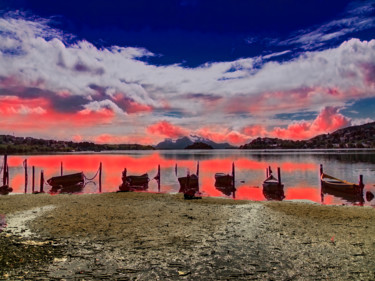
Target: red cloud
(106, 138)
(255, 131)
(167, 129)
(38, 115)
(222, 136)
(328, 120)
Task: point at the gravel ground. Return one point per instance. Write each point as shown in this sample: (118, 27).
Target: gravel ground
(144, 236)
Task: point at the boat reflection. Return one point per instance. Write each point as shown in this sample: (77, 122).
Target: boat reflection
(274, 192)
(226, 183)
(355, 196)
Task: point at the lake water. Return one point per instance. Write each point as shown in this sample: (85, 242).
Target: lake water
(299, 171)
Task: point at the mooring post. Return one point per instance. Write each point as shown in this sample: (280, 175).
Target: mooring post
(279, 175)
(41, 181)
(158, 178)
(233, 175)
(175, 169)
(198, 169)
(100, 177)
(61, 168)
(7, 175)
(267, 173)
(5, 169)
(361, 184)
(33, 181)
(25, 167)
(321, 169)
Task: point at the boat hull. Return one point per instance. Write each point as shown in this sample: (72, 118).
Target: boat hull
(134, 183)
(67, 180)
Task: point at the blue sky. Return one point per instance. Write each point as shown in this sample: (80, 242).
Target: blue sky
(140, 71)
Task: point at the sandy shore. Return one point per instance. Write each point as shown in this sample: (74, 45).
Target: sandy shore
(142, 236)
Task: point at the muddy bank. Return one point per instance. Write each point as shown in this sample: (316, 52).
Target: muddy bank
(145, 236)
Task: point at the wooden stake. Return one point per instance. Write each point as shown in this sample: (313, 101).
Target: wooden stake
(175, 170)
(361, 184)
(41, 181)
(198, 169)
(233, 175)
(25, 167)
(5, 163)
(279, 175)
(100, 177)
(61, 168)
(321, 169)
(159, 178)
(33, 181)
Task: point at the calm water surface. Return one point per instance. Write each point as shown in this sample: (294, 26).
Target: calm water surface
(299, 171)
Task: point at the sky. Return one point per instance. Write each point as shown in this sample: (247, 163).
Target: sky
(121, 71)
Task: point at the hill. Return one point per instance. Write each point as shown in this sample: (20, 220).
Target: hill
(183, 142)
(362, 136)
(11, 144)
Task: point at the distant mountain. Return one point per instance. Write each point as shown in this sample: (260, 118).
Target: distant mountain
(362, 136)
(184, 142)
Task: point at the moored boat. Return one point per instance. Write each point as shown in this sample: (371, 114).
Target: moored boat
(131, 183)
(189, 186)
(271, 181)
(332, 183)
(222, 179)
(67, 180)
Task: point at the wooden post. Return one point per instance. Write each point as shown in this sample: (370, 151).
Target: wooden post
(279, 175)
(33, 181)
(5, 164)
(233, 175)
(41, 181)
(100, 177)
(61, 168)
(7, 175)
(198, 169)
(361, 184)
(25, 167)
(321, 169)
(158, 178)
(175, 170)
(266, 173)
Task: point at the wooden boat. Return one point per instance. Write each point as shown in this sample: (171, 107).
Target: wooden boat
(5, 190)
(132, 183)
(331, 183)
(189, 186)
(274, 192)
(67, 180)
(222, 179)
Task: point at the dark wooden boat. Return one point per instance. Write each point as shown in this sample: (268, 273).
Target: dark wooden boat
(331, 183)
(273, 192)
(222, 179)
(67, 180)
(132, 183)
(5, 190)
(189, 186)
(272, 182)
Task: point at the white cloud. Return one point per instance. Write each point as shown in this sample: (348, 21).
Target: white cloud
(31, 51)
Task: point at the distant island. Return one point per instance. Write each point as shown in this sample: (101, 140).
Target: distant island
(362, 136)
(199, 145)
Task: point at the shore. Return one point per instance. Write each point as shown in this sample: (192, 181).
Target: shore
(145, 236)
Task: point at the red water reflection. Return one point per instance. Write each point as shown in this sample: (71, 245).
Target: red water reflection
(249, 174)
